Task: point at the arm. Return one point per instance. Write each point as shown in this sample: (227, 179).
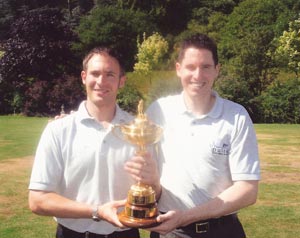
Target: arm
(52, 204)
(241, 194)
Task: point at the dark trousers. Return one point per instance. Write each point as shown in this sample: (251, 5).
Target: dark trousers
(224, 227)
(64, 232)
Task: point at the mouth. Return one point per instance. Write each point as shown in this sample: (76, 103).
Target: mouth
(101, 91)
(198, 85)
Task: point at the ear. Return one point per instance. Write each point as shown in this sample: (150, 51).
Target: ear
(83, 77)
(177, 67)
(122, 81)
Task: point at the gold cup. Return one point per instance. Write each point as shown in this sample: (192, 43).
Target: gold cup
(141, 207)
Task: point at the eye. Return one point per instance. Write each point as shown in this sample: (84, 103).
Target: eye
(190, 67)
(207, 66)
(111, 75)
(95, 74)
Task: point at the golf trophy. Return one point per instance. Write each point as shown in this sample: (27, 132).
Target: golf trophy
(141, 208)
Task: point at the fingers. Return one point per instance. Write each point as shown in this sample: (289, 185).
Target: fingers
(139, 171)
(135, 166)
(168, 223)
(120, 203)
(108, 212)
(143, 169)
(162, 218)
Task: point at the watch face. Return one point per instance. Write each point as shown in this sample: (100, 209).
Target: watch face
(95, 215)
(96, 218)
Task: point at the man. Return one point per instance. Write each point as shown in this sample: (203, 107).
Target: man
(209, 157)
(78, 174)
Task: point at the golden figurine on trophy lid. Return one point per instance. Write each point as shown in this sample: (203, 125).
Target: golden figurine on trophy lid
(141, 209)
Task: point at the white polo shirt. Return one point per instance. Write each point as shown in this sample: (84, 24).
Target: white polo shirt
(201, 156)
(79, 159)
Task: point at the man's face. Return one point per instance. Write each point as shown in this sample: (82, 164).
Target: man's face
(102, 79)
(197, 72)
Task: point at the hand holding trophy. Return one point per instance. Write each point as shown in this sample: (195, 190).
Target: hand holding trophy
(141, 208)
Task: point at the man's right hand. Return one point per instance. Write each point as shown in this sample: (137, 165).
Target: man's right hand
(108, 212)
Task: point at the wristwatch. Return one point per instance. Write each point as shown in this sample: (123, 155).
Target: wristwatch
(95, 215)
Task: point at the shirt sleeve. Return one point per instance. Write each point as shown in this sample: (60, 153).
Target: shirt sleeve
(48, 164)
(244, 158)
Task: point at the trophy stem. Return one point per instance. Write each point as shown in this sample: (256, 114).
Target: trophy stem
(141, 150)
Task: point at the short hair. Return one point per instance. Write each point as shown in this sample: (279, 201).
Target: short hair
(103, 50)
(198, 41)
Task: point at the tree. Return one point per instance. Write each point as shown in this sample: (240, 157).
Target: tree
(5, 18)
(37, 51)
(151, 53)
(246, 39)
(280, 103)
(288, 49)
(129, 97)
(114, 27)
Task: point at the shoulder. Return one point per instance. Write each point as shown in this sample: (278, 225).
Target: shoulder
(236, 115)
(171, 99)
(164, 103)
(66, 123)
(162, 108)
(231, 108)
(62, 124)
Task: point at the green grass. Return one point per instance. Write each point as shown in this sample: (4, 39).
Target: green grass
(275, 215)
(277, 212)
(19, 135)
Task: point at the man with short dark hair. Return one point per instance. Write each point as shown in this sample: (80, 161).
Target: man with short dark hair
(209, 156)
(78, 174)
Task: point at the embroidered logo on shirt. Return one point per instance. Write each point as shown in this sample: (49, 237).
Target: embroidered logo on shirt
(222, 149)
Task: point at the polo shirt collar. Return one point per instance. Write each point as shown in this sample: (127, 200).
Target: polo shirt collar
(215, 112)
(83, 114)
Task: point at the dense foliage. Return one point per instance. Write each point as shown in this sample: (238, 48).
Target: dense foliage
(129, 97)
(113, 26)
(43, 42)
(151, 53)
(281, 102)
(36, 54)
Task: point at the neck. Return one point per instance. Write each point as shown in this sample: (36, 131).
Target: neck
(104, 114)
(200, 105)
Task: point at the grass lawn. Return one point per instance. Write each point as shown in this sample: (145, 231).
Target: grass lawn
(275, 215)
(19, 135)
(277, 212)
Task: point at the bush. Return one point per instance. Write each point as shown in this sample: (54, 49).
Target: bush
(37, 52)
(43, 100)
(128, 98)
(237, 90)
(281, 102)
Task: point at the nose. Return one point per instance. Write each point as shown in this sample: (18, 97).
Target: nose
(99, 79)
(197, 73)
